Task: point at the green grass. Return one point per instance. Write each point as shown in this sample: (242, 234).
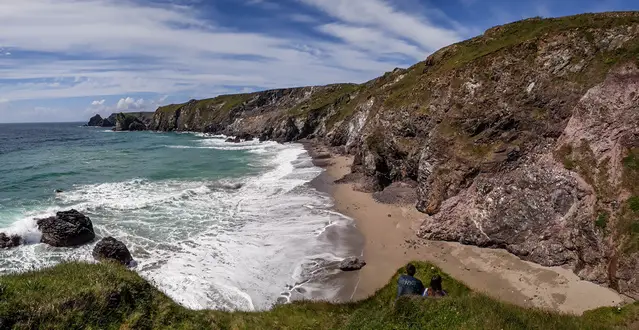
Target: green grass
(633, 203)
(108, 296)
(216, 107)
(503, 37)
(602, 220)
(331, 95)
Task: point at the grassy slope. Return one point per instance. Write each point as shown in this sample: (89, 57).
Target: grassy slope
(107, 296)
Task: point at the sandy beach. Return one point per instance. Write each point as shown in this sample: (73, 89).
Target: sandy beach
(389, 231)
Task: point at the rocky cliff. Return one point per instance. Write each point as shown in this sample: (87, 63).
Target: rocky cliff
(525, 138)
(129, 121)
(98, 121)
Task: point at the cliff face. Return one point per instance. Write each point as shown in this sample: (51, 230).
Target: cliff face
(525, 138)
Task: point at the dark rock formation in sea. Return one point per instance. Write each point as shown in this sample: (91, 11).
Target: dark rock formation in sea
(95, 121)
(66, 229)
(110, 248)
(9, 241)
(98, 121)
(525, 138)
(351, 264)
(130, 121)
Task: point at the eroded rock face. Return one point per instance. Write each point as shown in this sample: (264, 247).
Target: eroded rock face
(533, 212)
(66, 229)
(109, 248)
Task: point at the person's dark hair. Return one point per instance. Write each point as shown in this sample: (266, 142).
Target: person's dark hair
(436, 283)
(410, 269)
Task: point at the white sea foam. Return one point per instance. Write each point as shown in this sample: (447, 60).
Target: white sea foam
(231, 244)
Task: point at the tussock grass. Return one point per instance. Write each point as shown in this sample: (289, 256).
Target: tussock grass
(108, 296)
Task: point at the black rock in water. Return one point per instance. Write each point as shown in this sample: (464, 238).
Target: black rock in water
(95, 121)
(234, 140)
(246, 137)
(7, 242)
(65, 229)
(110, 248)
(351, 264)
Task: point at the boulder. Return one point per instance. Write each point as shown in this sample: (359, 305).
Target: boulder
(95, 121)
(351, 264)
(233, 140)
(65, 229)
(7, 242)
(246, 137)
(110, 248)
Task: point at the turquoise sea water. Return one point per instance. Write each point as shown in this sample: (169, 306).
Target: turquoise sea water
(213, 224)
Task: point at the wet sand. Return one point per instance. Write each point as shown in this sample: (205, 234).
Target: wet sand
(390, 242)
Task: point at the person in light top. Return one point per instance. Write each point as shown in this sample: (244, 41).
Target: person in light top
(435, 288)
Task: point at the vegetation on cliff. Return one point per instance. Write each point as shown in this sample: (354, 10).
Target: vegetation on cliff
(108, 296)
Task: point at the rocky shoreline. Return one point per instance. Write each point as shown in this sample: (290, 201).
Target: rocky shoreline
(525, 138)
(71, 229)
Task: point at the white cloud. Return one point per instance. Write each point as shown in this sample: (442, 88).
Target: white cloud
(372, 40)
(100, 102)
(130, 103)
(123, 47)
(379, 14)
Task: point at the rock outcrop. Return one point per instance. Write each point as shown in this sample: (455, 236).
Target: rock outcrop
(98, 121)
(66, 229)
(351, 264)
(133, 121)
(130, 121)
(525, 138)
(95, 121)
(9, 241)
(110, 248)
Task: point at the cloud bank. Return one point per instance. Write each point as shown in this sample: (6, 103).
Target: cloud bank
(83, 48)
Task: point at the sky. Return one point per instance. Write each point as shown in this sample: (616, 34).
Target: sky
(66, 60)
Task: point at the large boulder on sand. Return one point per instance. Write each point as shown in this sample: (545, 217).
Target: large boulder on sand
(7, 241)
(351, 264)
(110, 248)
(67, 228)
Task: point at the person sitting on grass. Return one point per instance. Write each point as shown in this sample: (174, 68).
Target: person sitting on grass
(435, 288)
(408, 284)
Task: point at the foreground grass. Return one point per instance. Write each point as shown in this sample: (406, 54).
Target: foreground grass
(108, 296)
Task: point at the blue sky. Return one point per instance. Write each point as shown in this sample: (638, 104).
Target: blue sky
(65, 60)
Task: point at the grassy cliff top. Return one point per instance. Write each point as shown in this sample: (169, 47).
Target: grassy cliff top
(108, 296)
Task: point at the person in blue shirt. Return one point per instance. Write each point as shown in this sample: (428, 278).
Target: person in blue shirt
(435, 288)
(408, 284)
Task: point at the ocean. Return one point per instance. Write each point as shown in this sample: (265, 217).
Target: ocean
(212, 224)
